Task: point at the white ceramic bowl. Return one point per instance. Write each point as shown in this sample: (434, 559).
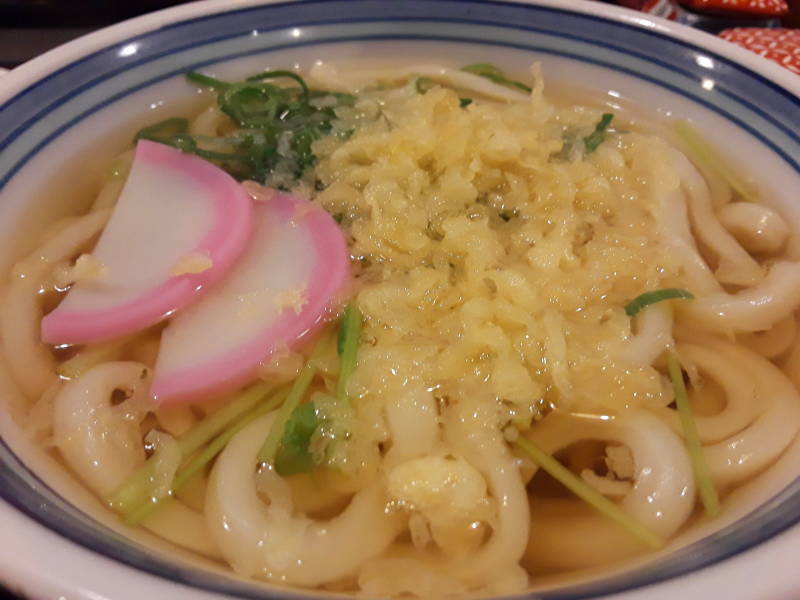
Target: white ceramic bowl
(58, 107)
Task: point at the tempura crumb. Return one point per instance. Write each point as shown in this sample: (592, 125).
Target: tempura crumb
(295, 299)
(191, 264)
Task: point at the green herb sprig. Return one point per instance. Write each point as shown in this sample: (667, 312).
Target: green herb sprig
(598, 136)
(643, 300)
(135, 490)
(587, 493)
(288, 443)
(191, 468)
(294, 454)
(705, 485)
(276, 126)
(347, 346)
(492, 73)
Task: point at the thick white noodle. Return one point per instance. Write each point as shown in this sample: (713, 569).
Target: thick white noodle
(39, 418)
(756, 227)
(653, 335)
(741, 404)
(472, 434)
(774, 341)
(331, 78)
(735, 265)
(268, 540)
(109, 194)
(471, 430)
(676, 235)
(757, 308)
(30, 361)
(662, 497)
(102, 444)
(790, 365)
(413, 420)
(751, 450)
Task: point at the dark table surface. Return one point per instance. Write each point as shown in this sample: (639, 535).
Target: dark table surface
(30, 27)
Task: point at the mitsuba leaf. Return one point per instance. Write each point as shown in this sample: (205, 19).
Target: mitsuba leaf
(293, 454)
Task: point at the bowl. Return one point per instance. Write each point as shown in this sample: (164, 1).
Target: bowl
(56, 110)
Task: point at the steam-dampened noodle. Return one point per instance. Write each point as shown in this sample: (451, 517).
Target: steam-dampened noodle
(443, 336)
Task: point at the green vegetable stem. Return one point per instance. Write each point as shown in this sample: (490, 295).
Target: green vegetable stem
(492, 73)
(137, 487)
(587, 493)
(643, 300)
(593, 140)
(708, 493)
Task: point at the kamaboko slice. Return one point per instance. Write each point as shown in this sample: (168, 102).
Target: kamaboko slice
(290, 278)
(179, 225)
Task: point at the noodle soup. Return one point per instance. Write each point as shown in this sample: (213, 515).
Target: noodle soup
(474, 336)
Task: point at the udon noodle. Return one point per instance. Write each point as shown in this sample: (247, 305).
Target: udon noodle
(496, 238)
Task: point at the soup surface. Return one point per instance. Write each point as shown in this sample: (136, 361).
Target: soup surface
(411, 331)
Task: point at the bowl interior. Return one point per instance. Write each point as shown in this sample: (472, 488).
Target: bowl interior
(58, 128)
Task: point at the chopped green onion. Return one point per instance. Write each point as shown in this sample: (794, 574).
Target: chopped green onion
(464, 102)
(163, 129)
(423, 84)
(593, 140)
(492, 73)
(643, 300)
(136, 488)
(705, 485)
(706, 155)
(281, 74)
(277, 127)
(205, 456)
(347, 346)
(206, 80)
(588, 494)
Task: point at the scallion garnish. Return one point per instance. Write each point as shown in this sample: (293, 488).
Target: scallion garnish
(705, 485)
(492, 73)
(276, 126)
(594, 139)
(163, 129)
(206, 80)
(423, 84)
(587, 493)
(648, 298)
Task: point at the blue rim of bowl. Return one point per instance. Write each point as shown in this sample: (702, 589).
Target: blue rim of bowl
(734, 84)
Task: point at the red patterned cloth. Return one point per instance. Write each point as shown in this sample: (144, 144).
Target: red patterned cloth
(779, 45)
(775, 8)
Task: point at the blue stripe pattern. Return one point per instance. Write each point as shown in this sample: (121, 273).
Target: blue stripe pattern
(37, 115)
